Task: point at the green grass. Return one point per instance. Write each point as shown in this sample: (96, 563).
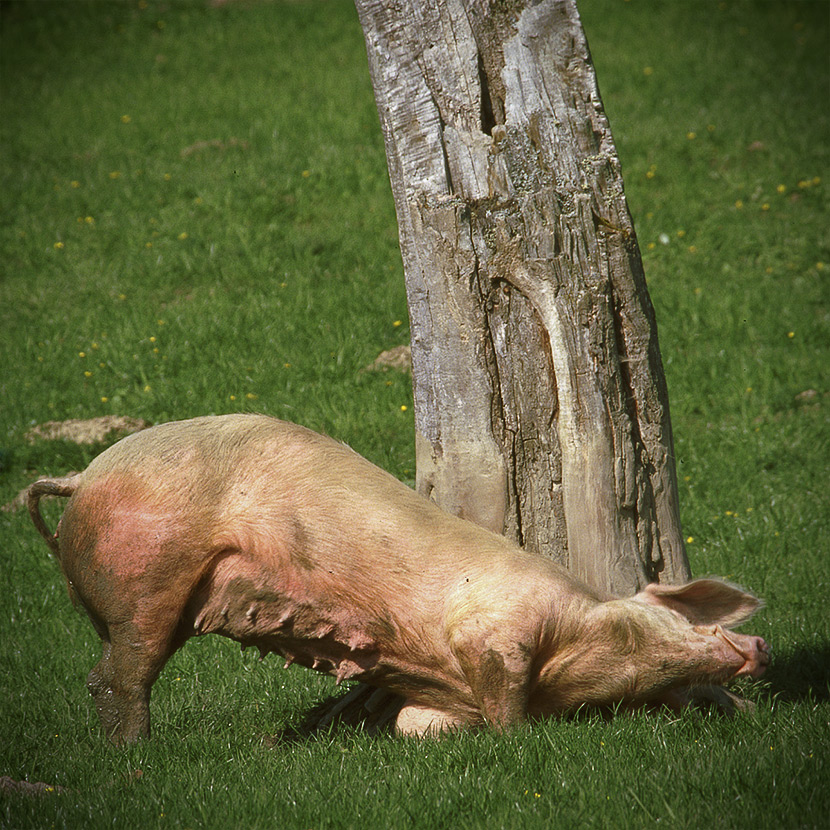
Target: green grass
(196, 218)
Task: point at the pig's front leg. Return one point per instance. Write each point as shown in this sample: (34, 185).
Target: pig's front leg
(497, 668)
(722, 699)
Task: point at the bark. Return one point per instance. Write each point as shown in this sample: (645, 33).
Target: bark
(541, 407)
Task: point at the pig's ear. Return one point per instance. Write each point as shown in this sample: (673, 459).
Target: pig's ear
(704, 601)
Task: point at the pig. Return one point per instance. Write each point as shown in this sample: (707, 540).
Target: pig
(278, 537)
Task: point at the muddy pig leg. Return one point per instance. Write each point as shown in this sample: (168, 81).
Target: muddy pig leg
(121, 681)
(120, 685)
(134, 582)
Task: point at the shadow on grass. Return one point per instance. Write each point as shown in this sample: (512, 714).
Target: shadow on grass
(362, 708)
(804, 674)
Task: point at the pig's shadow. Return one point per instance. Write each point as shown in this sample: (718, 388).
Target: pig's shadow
(362, 708)
(803, 674)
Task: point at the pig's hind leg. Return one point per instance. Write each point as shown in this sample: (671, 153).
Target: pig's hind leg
(134, 584)
(139, 630)
(123, 705)
(121, 681)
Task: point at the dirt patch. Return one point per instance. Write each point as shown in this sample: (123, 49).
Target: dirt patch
(399, 359)
(79, 431)
(90, 431)
(213, 144)
(8, 786)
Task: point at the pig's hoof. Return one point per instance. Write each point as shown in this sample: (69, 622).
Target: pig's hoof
(422, 721)
(728, 703)
(705, 697)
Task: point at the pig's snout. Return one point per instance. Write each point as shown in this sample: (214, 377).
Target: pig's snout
(754, 650)
(757, 657)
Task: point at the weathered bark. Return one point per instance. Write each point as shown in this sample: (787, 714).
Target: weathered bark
(541, 408)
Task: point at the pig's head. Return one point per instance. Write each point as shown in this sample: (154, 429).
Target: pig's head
(688, 627)
(665, 638)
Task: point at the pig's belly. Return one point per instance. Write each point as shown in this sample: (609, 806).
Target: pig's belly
(344, 643)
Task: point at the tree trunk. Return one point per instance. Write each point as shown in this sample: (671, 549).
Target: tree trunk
(541, 408)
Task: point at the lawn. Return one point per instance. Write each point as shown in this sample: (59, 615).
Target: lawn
(195, 218)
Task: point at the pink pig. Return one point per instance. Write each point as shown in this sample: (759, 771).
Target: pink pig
(277, 537)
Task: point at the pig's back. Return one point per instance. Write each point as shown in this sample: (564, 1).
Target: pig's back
(259, 481)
